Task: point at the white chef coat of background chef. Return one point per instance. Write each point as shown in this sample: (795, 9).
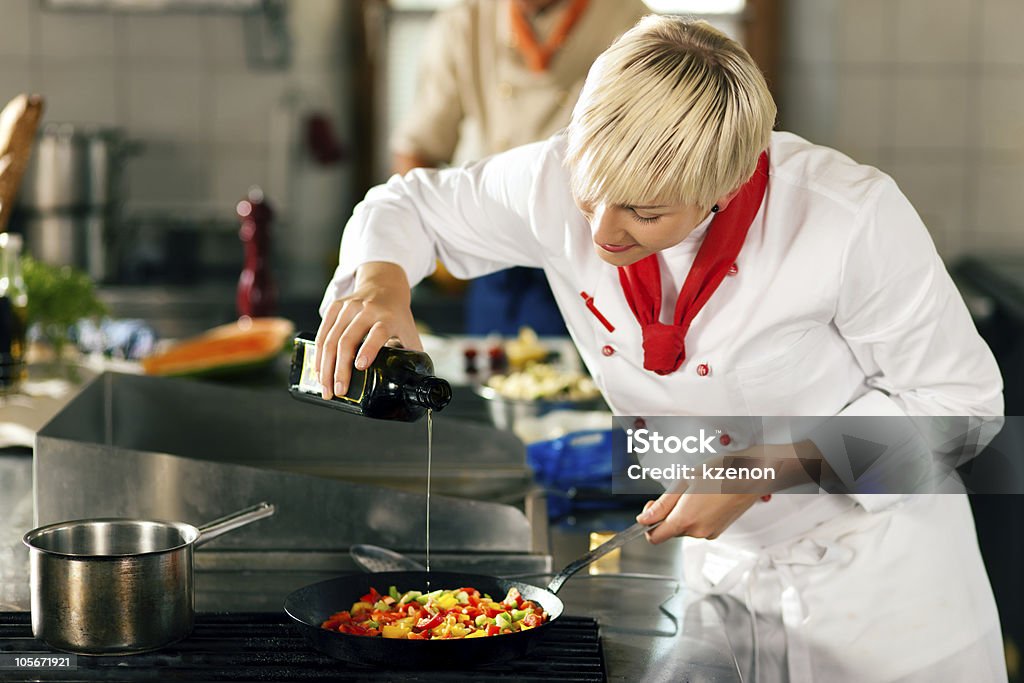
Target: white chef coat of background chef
(475, 95)
(839, 304)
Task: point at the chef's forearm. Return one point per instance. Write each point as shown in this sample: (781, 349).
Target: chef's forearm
(383, 275)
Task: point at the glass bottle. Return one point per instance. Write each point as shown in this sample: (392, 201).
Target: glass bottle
(399, 384)
(13, 315)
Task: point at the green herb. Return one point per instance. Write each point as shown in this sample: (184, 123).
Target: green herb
(58, 296)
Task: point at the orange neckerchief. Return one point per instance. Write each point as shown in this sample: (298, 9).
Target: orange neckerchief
(538, 56)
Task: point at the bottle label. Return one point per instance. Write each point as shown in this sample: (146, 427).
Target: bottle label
(308, 380)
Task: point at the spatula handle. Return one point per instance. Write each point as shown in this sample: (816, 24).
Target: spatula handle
(617, 541)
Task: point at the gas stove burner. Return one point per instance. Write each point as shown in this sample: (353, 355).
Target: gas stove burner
(265, 646)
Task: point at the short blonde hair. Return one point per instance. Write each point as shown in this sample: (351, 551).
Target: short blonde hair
(674, 112)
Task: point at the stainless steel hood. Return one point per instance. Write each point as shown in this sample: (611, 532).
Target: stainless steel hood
(133, 446)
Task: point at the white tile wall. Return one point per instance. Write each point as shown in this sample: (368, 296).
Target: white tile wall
(165, 103)
(1002, 21)
(996, 214)
(179, 83)
(1000, 119)
(242, 104)
(83, 91)
(866, 32)
(860, 121)
(169, 173)
(165, 39)
(15, 77)
(928, 112)
(932, 92)
(77, 35)
(16, 28)
(223, 42)
(932, 31)
(237, 170)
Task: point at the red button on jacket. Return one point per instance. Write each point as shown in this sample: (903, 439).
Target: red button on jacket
(607, 350)
(703, 369)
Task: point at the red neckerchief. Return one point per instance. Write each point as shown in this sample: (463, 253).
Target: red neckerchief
(664, 345)
(538, 56)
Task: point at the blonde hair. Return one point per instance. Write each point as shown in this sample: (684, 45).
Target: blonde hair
(674, 112)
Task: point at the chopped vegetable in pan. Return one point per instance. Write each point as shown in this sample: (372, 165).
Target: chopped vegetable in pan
(462, 613)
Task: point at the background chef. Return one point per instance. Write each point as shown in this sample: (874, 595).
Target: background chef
(495, 74)
(736, 271)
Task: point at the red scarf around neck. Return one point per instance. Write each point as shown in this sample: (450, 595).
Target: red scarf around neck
(664, 345)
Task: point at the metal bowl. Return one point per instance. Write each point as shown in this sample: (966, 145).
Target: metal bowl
(505, 412)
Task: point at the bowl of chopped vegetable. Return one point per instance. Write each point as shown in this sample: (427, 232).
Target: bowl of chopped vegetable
(535, 391)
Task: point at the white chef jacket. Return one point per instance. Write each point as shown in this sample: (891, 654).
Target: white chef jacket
(838, 304)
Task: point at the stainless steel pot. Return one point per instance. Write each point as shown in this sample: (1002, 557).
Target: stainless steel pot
(73, 168)
(84, 240)
(118, 586)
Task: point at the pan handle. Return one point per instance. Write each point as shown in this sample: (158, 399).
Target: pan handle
(235, 520)
(617, 541)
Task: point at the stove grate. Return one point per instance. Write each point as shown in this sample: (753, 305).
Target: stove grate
(266, 647)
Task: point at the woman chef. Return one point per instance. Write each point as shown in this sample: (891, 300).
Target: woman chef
(708, 266)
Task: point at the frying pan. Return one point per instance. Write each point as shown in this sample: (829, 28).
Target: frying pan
(309, 607)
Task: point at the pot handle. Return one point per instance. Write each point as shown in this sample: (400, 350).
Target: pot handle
(235, 520)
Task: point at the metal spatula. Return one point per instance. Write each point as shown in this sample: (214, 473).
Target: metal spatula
(374, 558)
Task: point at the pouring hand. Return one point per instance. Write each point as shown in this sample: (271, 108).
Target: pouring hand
(355, 327)
(699, 515)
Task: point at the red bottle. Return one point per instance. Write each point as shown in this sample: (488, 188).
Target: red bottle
(257, 293)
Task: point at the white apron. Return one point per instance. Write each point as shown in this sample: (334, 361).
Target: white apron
(879, 618)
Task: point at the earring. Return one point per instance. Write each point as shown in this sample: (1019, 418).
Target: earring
(715, 209)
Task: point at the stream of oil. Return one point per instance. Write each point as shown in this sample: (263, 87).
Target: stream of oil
(430, 443)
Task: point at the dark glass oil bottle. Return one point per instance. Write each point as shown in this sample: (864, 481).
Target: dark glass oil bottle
(399, 384)
(13, 315)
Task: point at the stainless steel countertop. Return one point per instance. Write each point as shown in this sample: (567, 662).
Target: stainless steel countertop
(684, 640)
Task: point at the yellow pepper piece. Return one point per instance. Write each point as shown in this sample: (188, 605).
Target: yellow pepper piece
(390, 631)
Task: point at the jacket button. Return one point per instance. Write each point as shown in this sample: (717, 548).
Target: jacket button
(766, 497)
(725, 439)
(639, 423)
(733, 269)
(607, 350)
(703, 369)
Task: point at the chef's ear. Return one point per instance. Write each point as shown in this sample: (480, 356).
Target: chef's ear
(723, 202)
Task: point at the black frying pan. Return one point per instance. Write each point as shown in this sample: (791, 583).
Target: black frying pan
(309, 607)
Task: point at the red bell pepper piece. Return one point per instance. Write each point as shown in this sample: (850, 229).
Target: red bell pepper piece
(428, 623)
(493, 630)
(532, 620)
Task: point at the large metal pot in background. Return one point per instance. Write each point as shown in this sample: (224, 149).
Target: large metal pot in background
(71, 196)
(73, 168)
(118, 586)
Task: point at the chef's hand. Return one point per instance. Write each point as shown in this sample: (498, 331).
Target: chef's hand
(355, 327)
(699, 515)
(706, 508)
